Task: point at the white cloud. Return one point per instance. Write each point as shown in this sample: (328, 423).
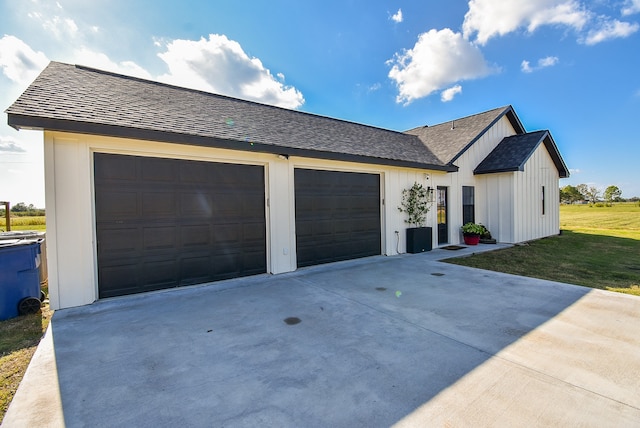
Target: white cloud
(610, 29)
(574, 171)
(448, 94)
(548, 61)
(87, 57)
(490, 18)
(61, 28)
(397, 17)
(438, 59)
(10, 145)
(18, 61)
(220, 65)
(631, 7)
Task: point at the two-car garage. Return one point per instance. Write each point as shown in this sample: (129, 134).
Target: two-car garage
(163, 223)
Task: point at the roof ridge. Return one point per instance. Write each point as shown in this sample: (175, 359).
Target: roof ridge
(503, 109)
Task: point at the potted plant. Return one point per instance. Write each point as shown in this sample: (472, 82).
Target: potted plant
(471, 233)
(416, 203)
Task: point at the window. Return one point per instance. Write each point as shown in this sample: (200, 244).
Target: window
(543, 201)
(468, 204)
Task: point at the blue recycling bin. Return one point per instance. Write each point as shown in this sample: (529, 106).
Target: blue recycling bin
(19, 277)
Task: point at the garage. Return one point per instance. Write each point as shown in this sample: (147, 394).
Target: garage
(337, 216)
(163, 223)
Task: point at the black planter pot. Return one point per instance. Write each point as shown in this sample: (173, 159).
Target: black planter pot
(419, 239)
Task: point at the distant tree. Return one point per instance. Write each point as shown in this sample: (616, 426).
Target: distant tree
(20, 207)
(583, 189)
(592, 194)
(612, 194)
(570, 194)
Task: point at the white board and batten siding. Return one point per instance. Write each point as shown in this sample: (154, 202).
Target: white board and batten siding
(493, 192)
(530, 221)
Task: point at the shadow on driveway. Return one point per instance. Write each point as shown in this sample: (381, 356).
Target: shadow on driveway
(386, 340)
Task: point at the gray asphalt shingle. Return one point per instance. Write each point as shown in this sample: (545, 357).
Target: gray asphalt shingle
(449, 140)
(72, 98)
(513, 152)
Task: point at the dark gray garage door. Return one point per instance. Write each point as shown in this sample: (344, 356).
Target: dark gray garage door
(337, 216)
(164, 223)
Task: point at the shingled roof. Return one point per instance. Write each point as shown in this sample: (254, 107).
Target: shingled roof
(451, 139)
(513, 152)
(83, 100)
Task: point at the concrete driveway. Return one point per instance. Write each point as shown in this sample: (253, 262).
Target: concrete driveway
(406, 341)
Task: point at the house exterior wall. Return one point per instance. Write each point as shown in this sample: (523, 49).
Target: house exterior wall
(71, 248)
(529, 221)
(493, 192)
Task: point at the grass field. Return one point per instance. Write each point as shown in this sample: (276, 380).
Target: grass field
(25, 223)
(599, 247)
(19, 338)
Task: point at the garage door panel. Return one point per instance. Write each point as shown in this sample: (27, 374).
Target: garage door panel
(159, 170)
(337, 216)
(342, 226)
(118, 203)
(119, 169)
(160, 273)
(188, 229)
(323, 228)
(195, 236)
(225, 265)
(195, 173)
(253, 208)
(119, 240)
(196, 204)
(194, 270)
(161, 237)
(253, 232)
(254, 262)
(227, 234)
(124, 275)
(158, 204)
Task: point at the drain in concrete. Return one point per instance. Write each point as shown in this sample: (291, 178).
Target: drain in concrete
(381, 289)
(437, 274)
(292, 320)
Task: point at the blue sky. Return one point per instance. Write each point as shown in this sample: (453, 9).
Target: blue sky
(569, 66)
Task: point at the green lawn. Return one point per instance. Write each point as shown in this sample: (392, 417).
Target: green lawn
(19, 338)
(25, 223)
(599, 248)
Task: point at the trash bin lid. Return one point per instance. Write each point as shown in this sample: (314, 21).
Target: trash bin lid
(8, 242)
(17, 242)
(21, 234)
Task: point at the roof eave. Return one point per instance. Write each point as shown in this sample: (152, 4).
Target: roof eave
(39, 123)
(552, 148)
(497, 171)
